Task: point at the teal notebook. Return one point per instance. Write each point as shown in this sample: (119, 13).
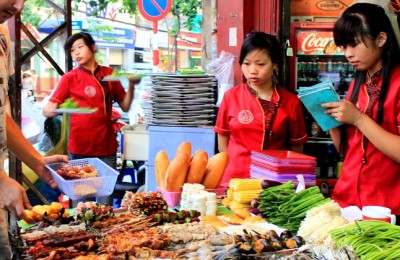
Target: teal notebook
(312, 98)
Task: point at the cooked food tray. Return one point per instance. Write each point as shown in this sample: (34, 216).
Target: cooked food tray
(103, 185)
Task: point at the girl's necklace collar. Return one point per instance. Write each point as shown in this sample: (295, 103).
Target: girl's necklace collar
(370, 78)
(90, 71)
(255, 92)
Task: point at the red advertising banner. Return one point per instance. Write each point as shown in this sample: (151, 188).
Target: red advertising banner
(315, 42)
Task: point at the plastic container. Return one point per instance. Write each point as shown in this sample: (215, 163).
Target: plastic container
(172, 198)
(135, 142)
(284, 158)
(88, 187)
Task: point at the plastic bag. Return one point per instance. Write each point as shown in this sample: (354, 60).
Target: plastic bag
(51, 135)
(30, 120)
(62, 146)
(222, 69)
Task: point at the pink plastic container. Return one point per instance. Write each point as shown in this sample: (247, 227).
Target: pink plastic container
(172, 198)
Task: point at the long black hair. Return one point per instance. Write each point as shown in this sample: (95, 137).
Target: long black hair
(363, 22)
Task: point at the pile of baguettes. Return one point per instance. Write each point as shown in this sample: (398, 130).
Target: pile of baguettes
(185, 168)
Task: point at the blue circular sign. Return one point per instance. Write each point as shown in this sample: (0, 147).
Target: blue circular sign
(154, 10)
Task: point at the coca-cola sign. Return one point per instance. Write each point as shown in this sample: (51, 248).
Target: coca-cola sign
(313, 42)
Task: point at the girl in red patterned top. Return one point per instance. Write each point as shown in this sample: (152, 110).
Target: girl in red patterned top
(370, 138)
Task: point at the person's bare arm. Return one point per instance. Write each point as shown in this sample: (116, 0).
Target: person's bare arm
(223, 141)
(24, 150)
(335, 134)
(385, 141)
(12, 195)
(48, 109)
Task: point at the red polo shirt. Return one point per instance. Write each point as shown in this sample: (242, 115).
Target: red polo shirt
(90, 134)
(241, 117)
(377, 182)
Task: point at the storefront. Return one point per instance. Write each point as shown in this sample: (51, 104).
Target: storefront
(189, 50)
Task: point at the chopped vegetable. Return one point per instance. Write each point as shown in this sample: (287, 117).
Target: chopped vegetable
(371, 239)
(121, 73)
(319, 221)
(285, 208)
(69, 103)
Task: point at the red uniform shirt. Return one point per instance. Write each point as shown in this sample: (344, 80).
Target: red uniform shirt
(377, 182)
(90, 134)
(241, 117)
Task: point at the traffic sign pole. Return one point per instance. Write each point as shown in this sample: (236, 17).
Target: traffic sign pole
(155, 10)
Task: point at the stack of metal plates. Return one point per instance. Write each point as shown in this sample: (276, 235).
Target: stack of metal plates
(183, 100)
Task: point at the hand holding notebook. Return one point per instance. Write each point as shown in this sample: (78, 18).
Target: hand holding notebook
(313, 97)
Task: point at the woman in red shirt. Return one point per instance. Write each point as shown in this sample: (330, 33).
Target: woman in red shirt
(370, 138)
(91, 135)
(259, 114)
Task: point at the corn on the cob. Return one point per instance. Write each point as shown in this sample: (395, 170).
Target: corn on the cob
(246, 196)
(226, 201)
(229, 194)
(237, 205)
(245, 184)
(243, 213)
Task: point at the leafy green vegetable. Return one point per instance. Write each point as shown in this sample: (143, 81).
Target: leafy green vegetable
(125, 74)
(69, 103)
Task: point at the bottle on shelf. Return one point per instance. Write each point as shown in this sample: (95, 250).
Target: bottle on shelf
(322, 67)
(331, 161)
(315, 73)
(301, 73)
(329, 66)
(309, 71)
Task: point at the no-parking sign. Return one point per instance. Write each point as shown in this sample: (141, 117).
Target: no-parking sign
(154, 10)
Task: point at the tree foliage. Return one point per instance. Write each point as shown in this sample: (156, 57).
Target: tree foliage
(128, 6)
(184, 8)
(32, 12)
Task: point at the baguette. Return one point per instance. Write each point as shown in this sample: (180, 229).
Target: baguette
(215, 168)
(197, 167)
(177, 172)
(161, 163)
(186, 148)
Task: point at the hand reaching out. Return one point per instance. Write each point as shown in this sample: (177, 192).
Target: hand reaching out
(44, 173)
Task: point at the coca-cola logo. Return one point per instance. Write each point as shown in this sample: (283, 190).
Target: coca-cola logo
(330, 5)
(312, 43)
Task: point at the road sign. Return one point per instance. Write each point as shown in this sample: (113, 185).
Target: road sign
(154, 10)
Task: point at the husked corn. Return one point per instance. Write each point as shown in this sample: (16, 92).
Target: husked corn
(237, 205)
(245, 184)
(229, 194)
(246, 196)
